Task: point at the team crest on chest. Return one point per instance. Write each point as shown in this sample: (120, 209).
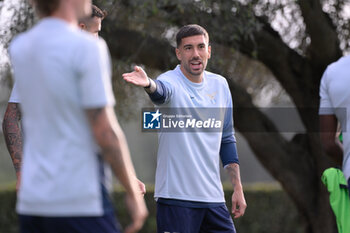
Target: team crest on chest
(212, 97)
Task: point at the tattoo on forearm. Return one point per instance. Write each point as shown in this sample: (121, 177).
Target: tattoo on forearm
(13, 134)
(233, 171)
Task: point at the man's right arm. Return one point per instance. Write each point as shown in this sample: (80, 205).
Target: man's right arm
(157, 91)
(13, 135)
(110, 137)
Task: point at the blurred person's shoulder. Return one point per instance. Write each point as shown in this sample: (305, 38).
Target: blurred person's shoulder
(89, 44)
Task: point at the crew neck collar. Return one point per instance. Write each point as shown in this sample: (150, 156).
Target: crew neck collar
(189, 82)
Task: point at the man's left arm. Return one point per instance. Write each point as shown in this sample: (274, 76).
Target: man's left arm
(230, 161)
(238, 201)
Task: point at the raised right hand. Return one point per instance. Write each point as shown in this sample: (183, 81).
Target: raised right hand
(138, 77)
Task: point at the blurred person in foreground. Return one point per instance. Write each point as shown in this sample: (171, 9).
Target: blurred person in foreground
(62, 76)
(12, 119)
(188, 190)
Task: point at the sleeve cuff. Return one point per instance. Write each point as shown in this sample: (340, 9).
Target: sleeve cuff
(159, 96)
(228, 153)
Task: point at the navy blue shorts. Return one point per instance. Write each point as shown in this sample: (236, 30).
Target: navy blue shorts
(178, 219)
(35, 224)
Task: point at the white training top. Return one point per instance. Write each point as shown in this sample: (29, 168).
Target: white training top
(59, 72)
(188, 163)
(335, 100)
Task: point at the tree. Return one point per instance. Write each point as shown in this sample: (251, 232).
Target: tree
(297, 55)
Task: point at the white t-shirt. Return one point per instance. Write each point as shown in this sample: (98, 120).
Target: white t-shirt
(59, 72)
(188, 163)
(335, 100)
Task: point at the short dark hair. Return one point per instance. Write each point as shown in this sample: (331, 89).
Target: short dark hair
(97, 12)
(45, 7)
(190, 30)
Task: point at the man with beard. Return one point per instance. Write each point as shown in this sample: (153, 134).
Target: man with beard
(189, 193)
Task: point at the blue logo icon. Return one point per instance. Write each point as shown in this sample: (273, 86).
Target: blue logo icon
(151, 120)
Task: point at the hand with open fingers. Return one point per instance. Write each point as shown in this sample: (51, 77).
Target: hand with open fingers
(238, 204)
(138, 77)
(138, 211)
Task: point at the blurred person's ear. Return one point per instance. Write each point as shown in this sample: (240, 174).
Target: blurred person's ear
(82, 26)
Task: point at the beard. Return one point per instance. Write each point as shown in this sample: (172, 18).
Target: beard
(195, 67)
